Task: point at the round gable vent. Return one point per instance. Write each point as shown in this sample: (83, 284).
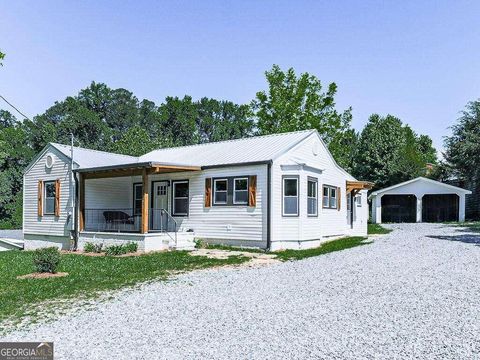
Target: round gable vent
(49, 161)
(316, 149)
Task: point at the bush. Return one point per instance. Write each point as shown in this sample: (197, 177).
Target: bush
(93, 248)
(132, 247)
(46, 259)
(113, 250)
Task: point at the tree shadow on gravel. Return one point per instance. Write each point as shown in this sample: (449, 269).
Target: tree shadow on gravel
(465, 238)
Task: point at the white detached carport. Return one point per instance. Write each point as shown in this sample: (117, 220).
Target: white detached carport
(419, 200)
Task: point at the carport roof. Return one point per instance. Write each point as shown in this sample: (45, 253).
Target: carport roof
(421, 179)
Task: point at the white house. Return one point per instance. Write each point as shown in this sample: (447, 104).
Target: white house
(276, 191)
(419, 200)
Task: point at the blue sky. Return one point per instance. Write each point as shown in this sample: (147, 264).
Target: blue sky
(418, 60)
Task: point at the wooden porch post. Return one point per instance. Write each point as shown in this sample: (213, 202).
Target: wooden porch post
(144, 228)
(82, 202)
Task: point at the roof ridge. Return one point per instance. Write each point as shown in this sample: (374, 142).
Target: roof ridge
(234, 140)
(93, 150)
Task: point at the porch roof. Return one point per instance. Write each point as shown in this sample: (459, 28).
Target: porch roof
(135, 168)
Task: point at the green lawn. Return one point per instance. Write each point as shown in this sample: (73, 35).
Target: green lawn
(377, 229)
(328, 247)
(88, 276)
(471, 225)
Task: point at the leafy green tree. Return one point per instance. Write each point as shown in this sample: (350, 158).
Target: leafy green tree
(462, 148)
(136, 141)
(15, 155)
(223, 120)
(177, 119)
(389, 152)
(297, 103)
(2, 57)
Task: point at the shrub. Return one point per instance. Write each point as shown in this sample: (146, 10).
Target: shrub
(201, 244)
(46, 259)
(115, 250)
(131, 247)
(93, 248)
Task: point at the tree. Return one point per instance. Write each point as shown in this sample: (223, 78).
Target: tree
(462, 148)
(389, 152)
(136, 141)
(223, 120)
(2, 56)
(298, 103)
(15, 155)
(177, 120)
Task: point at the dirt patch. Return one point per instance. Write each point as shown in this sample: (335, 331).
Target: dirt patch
(42, 275)
(256, 259)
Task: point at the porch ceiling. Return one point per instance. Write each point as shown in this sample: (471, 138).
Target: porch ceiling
(358, 185)
(134, 169)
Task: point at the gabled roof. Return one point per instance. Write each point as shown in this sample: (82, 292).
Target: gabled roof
(420, 179)
(258, 149)
(248, 150)
(86, 158)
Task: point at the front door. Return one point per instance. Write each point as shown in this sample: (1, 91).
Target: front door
(160, 205)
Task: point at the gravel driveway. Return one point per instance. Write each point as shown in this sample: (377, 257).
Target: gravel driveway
(413, 293)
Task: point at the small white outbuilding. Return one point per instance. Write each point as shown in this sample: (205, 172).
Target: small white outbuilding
(419, 200)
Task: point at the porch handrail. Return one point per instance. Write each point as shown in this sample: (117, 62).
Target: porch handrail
(159, 223)
(170, 217)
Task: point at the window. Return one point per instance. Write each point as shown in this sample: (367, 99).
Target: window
(349, 201)
(329, 200)
(312, 198)
(220, 191)
(137, 198)
(290, 196)
(180, 198)
(358, 200)
(49, 207)
(240, 191)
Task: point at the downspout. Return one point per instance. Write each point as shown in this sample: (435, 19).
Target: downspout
(269, 204)
(75, 212)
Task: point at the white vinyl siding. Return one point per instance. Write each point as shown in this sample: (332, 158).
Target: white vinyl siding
(47, 224)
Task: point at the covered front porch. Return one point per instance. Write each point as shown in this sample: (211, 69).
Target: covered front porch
(134, 202)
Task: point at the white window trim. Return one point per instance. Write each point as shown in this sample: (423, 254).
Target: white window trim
(235, 191)
(330, 197)
(313, 197)
(174, 184)
(215, 202)
(358, 200)
(290, 196)
(45, 197)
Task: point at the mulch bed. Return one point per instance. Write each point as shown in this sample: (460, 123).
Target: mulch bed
(138, 253)
(42, 275)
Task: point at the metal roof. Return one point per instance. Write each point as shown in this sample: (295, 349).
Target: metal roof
(248, 150)
(87, 158)
(423, 179)
(251, 150)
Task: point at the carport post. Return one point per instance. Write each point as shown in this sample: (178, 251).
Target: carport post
(378, 209)
(461, 207)
(419, 208)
